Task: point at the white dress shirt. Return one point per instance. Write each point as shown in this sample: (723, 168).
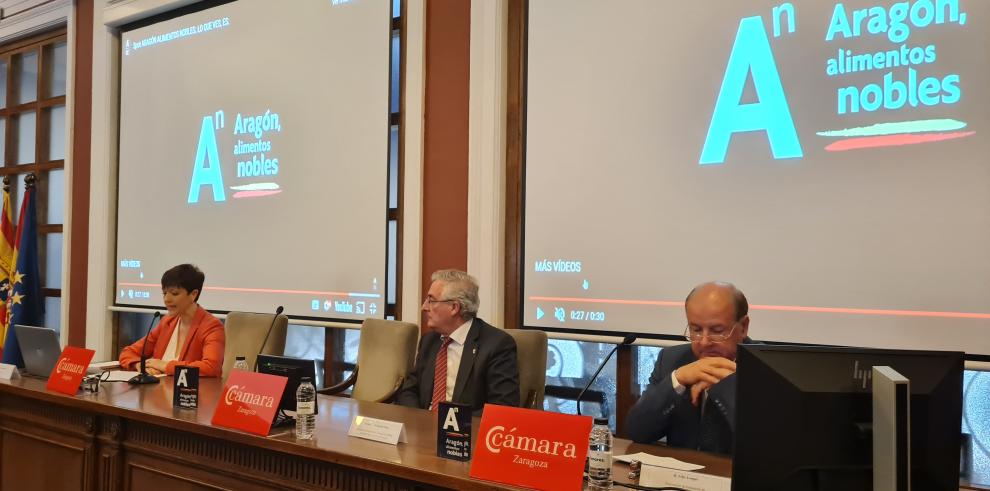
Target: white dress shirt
(172, 349)
(677, 385)
(680, 388)
(454, 351)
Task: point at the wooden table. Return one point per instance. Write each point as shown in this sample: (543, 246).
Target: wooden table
(128, 437)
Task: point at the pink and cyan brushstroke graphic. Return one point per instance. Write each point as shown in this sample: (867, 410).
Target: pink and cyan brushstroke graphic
(896, 134)
(256, 190)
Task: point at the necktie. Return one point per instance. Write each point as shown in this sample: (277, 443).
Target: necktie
(440, 375)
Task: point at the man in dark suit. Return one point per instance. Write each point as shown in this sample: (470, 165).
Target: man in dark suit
(463, 359)
(692, 392)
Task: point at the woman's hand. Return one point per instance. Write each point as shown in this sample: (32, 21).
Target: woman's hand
(154, 366)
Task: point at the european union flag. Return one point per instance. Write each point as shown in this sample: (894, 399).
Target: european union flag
(25, 305)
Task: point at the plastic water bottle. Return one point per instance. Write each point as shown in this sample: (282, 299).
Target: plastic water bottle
(600, 455)
(240, 363)
(305, 409)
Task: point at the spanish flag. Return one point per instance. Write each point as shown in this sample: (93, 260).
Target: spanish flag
(6, 258)
(25, 304)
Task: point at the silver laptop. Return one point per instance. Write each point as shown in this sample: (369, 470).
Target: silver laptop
(40, 348)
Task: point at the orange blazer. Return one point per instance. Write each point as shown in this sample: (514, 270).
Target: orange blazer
(203, 347)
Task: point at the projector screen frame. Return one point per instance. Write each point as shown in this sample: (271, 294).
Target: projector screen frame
(515, 195)
(388, 309)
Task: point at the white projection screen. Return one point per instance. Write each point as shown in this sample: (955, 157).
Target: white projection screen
(254, 141)
(830, 159)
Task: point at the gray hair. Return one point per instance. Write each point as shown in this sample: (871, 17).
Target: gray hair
(461, 288)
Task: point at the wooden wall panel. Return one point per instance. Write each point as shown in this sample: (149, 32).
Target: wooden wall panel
(445, 137)
(29, 462)
(34, 434)
(145, 473)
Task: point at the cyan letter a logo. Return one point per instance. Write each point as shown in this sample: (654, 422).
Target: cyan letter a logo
(751, 53)
(207, 175)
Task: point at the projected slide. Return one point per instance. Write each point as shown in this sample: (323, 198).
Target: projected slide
(254, 144)
(830, 158)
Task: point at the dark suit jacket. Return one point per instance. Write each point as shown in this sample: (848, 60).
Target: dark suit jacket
(488, 373)
(661, 412)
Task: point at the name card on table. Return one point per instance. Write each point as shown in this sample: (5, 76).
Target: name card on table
(378, 430)
(8, 371)
(249, 401)
(186, 388)
(70, 370)
(662, 477)
(530, 448)
(454, 431)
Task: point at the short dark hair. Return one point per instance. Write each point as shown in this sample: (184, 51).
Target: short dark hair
(184, 276)
(738, 298)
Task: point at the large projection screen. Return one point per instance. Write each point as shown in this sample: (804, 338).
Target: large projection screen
(830, 159)
(254, 142)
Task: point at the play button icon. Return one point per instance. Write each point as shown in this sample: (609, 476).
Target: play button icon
(539, 313)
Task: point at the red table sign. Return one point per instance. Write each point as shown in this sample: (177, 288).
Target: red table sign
(535, 449)
(249, 401)
(70, 370)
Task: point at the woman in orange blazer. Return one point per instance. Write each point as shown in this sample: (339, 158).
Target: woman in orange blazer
(188, 335)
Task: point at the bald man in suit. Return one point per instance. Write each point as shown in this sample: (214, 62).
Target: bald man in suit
(691, 397)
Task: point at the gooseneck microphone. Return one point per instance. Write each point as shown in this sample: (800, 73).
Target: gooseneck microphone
(278, 312)
(629, 339)
(143, 377)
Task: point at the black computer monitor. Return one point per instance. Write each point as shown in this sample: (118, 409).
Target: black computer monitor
(292, 368)
(804, 417)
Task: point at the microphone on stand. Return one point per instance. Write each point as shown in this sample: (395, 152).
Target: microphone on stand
(278, 312)
(629, 339)
(143, 377)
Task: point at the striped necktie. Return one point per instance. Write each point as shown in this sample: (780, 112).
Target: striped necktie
(440, 375)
